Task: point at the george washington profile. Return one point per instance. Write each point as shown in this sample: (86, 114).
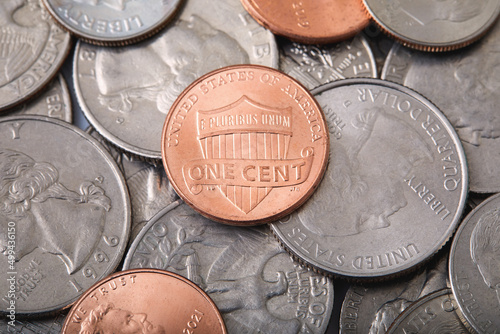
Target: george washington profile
(49, 216)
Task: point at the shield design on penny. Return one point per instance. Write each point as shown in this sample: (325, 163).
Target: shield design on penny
(244, 131)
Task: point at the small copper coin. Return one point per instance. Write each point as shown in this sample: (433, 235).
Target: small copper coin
(310, 21)
(145, 301)
(245, 144)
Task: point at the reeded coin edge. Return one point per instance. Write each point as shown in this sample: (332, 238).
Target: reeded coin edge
(119, 41)
(430, 47)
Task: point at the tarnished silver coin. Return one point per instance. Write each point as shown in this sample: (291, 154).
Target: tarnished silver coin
(64, 214)
(465, 86)
(434, 25)
(54, 102)
(433, 314)
(32, 49)
(50, 325)
(252, 280)
(149, 188)
(474, 266)
(314, 65)
(397, 173)
(112, 22)
(372, 308)
(129, 110)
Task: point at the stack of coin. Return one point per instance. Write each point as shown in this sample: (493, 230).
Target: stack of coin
(192, 125)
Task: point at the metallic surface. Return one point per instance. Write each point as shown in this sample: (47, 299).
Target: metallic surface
(314, 65)
(148, 185)
(433, 314)
(432, 25)
(474, 263)
(50, 325)
(372, 308)
(397, 173)
(310, 21)
(66, 208)
(32, 49)
(465, 86)
(253, 148)
(54, 102)
(252, 280)
(145, 301)
(129, 110)
(112, 22)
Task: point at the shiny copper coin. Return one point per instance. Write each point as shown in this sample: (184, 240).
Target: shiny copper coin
(245, 144)
(310, 21)
(145, 301)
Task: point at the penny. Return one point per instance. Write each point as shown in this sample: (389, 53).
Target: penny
(314, 65)
(474, 265)
(464, 85)
(434, 25)
(65, 214)
(397, 173)
(433, 314)
(308, 21)
(245, 145)
(372, 308)
(32, 49)
(129, 110)
(54, 102)
(144, 301)
(112, 22)
(253, 281)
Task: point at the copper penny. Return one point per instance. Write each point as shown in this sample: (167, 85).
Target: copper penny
(310, 21)
(245, 144)
(145, 301)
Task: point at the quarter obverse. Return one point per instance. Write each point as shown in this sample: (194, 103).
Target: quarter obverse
(245, 144)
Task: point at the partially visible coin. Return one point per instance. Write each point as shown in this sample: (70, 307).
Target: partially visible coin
(32, 49)
(252, 280)
(112, 22)
(144, 301)
(465, 86)
(48, 325)
(245, 145)
(54, 102)
(372, 308)
(474, 266)
(65, 213)
(432, 25)
(314, 65)
(397, 173)
(433, 314)
(129, 110)
(310, 21)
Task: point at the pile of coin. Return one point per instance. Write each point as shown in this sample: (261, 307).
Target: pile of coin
(238, 160)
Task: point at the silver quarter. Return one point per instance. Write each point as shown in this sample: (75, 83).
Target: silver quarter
(65, 214)
(130, 110)
(474, 263)
(32, 49)
(433, 314)
(54, 102)
(255, 284)
(371, 309)
(434, 25)
(112, 22)
(465, 86)
(397, 173)
(315, 65)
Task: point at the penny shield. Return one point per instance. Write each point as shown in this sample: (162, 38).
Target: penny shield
(245, 149)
